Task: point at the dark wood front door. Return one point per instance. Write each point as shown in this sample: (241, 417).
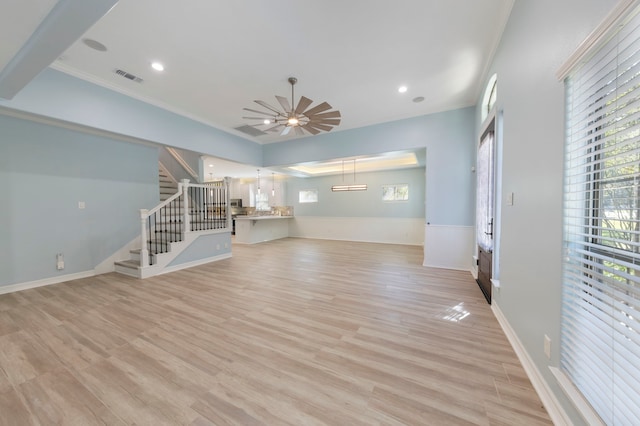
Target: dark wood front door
(485, 208)
(484, 272)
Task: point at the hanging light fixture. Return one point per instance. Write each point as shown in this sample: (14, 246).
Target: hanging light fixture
(258, 181)
(354, 187)
(273, 184)
(298, 117)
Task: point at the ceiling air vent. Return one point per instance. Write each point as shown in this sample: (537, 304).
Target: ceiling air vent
(129, 76)
(250, 130)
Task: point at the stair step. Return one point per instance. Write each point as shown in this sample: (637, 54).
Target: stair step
(131, 264)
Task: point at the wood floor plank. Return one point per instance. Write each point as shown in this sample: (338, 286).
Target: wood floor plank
(12, 411)
(60, 398)
(288, 332)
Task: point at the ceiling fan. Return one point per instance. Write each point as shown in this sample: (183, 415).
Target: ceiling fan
(296, 117)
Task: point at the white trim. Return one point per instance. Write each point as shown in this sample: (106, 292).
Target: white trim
(63, 124)
(614, 17)
(474, 266)
(181, 161)
(176, 248)
(45, 281)
(448, 247)
(164, 169)
(496, 283)
(554, 408)
(58, 66)
(108, 265)
(194, 263)
(585, 409)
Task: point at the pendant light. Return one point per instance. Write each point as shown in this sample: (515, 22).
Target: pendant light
(273, 184)
(258, 181)
(354, 187)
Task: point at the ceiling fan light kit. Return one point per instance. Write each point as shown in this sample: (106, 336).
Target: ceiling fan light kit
(298, 117)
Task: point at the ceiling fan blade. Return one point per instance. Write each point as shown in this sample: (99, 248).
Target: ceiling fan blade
(286, 131)
(284, 103)
(258, 112)
(255, 118)
(299, 131)
(267, 106)
(321, 126)
(303, 103)
(316, 109)
(330, 114)
(309, 128)
(329, 121)
(274, 128)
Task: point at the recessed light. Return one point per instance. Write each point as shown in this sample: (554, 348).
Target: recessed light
(418, 99)
(157, 66)
(95, 45)
(402, 89)
(210, 165)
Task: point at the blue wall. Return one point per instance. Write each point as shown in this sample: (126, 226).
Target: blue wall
(45, 171)
(63, 97)
(360, 203)
(449, 140)
(539, 37)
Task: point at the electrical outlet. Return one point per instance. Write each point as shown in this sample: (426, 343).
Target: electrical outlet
(547, 346)
(59, 261)
(81, 205)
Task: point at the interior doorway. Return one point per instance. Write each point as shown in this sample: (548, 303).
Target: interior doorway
(485, 201)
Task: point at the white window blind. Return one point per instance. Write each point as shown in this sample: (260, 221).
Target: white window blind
(600, 347)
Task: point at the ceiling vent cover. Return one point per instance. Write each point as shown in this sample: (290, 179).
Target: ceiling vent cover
(250, 130)
(129, 76)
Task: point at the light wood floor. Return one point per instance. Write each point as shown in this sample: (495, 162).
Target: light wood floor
(291, 332)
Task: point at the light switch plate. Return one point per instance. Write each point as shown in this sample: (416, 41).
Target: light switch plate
(510, 199)
(81, 205)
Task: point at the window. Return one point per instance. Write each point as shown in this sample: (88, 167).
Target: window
(262, 201)
(308, 196)
(600, 346)
(398, 192)
(485, 190)
(490, 96)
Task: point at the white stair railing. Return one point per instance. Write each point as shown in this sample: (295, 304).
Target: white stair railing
(194, 208)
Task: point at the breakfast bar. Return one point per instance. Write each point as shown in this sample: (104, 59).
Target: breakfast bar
(257, 229)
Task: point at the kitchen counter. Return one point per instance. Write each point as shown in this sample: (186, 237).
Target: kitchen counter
(266, 217)
(257, 229)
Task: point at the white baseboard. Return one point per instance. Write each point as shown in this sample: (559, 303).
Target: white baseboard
(194, 263)
(554, 408)
(44, 282)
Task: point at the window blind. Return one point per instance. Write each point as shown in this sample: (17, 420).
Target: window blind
(600, 346)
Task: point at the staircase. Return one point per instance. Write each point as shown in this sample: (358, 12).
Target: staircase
(192, 211)
(168, 185)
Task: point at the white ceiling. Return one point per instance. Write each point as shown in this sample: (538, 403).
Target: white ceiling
(220, 56)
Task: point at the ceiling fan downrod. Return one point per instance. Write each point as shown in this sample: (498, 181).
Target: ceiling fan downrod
(293, 117)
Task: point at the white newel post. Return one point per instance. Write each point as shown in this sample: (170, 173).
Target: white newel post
(227, 201)
(185, 217)
(144, 252)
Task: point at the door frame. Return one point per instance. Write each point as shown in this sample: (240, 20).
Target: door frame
(492, 123)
